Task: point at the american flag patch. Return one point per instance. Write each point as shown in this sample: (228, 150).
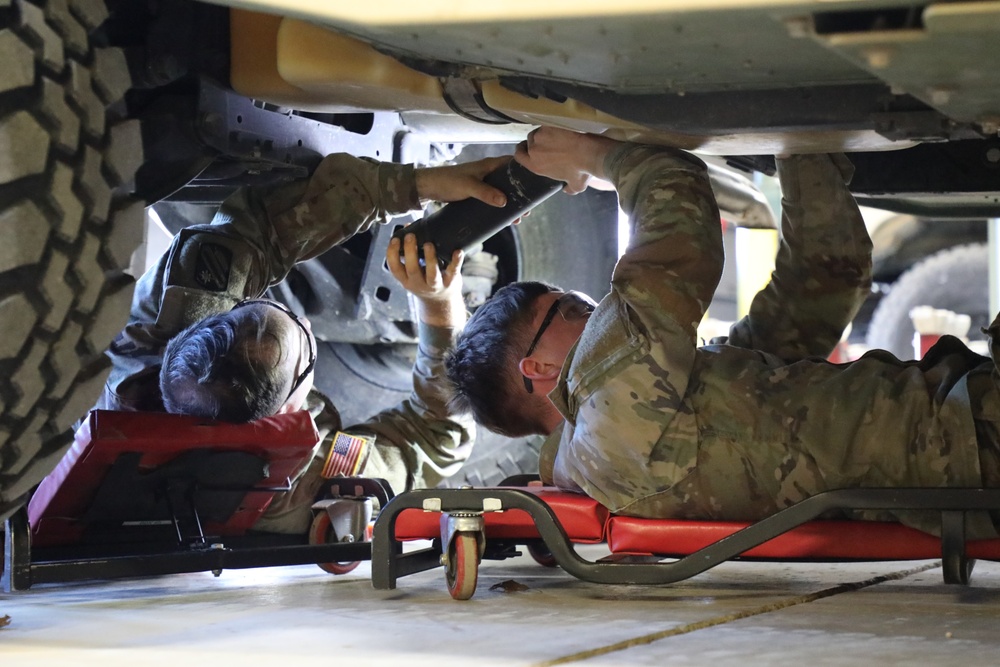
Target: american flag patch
(347, 453)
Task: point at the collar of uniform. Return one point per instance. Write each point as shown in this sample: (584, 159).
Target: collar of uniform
(559, 395)
(323, 412)
(561, 400)
(547, 454)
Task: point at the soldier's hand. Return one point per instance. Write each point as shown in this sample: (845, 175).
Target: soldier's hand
(572, 157)
(461, 181)
(439, 294)
(426, 282)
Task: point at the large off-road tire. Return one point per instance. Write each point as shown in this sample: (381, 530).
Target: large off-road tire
(68, 231)
(955, 279)
(569, 241)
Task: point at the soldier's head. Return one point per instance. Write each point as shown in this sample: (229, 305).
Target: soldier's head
(254, 361)
(511, 353)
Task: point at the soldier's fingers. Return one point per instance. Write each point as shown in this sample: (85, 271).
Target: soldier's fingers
(454, 267)
(393, 261)
(486, 193)
(411, 257)
(432, 273)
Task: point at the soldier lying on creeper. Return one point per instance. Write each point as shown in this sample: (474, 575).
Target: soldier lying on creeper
(201, 341)
(642, 419)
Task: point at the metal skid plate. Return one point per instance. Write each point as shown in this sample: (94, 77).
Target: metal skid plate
(950, 62)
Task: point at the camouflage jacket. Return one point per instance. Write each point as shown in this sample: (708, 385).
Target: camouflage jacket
(254, 240)
(656, 426)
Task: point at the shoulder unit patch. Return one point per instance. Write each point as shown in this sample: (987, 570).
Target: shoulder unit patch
(212, 267)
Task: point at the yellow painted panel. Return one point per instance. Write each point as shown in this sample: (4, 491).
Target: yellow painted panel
(351, 72)
(253, 62)
(253, 53)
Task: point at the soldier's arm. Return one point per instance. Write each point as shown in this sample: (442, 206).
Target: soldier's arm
(420, 442)
(822, 269)
(674, 258)
(347, 195)
(263, 232)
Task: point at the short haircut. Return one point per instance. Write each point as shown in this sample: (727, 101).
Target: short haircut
(484, 368)
(225, 367)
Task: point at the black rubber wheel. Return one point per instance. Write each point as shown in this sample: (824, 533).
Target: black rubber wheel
(955, 279)
(569, 241)
(68, 231)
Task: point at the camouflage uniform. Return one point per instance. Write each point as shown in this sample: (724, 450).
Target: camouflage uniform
(656, 426)
(256, 237)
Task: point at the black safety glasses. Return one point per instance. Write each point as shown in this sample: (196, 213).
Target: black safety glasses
(570, 306)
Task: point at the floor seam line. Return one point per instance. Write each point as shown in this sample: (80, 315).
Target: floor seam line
(728, 618)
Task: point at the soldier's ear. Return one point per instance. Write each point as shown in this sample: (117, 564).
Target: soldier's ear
(527, 366)
(535, 369)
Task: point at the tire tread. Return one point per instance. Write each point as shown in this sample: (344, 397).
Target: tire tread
(63, 192)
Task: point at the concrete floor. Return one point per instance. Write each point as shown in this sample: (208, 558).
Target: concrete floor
(737, 614)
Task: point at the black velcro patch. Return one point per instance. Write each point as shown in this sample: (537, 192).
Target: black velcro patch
(212, 267)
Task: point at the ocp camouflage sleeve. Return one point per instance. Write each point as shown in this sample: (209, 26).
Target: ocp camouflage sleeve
(823, 268)
(673, 264)
(344, 196)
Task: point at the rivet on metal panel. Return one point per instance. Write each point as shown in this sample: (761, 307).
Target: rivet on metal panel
(940, 94)
(799, 26)
(878, 57)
